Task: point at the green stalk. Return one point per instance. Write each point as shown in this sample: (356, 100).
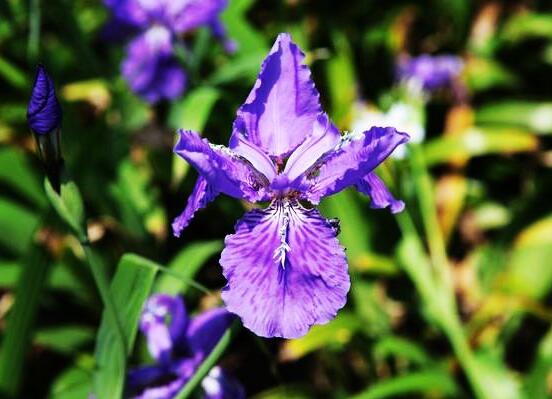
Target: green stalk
(426, 197)
(208, 363)
(433, 279)
(70, 207)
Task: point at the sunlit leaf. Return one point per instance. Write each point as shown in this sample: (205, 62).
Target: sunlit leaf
(95, 92)
(335, 335)
(527, 25)
(532, 115)
(479, 141)
(486, 73)
(428, 382)
(529, 272)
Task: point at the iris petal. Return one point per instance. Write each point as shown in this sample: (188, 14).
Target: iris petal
(224, 170)
(373, 186)
(206, 330)
(324, 138)
(280, 110)
(203, 194)
(286, 270)
(163, 322)
(151, 68)
(354, 157)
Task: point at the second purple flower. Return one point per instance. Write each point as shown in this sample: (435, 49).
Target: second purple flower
(284, 266)
(150, 67)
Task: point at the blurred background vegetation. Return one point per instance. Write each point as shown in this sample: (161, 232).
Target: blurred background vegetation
(451, 298)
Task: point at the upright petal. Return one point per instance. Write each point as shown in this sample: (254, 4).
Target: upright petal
(130, 12)
(224, 170)
(203, 194)
(206, 330)
(324, 138)
(163, 322)
(353, 158)
(286, 270)
(373, 186)
(250, 151)
(280, 110)
(151, 68)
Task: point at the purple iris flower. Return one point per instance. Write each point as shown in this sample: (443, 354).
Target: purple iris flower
(150, 66)
(431, 72)
(43, 111)
(284, 266)
(179, 345)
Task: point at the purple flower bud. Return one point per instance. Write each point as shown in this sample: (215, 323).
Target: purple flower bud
(43, 112)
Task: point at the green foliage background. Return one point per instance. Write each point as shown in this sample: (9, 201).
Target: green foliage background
(450, 299)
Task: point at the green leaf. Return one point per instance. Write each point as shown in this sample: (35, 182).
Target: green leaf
(130, 288)
(10, 274)
(527, 25)
(17, 225)
(531, 115)
(478, 141)
(74, 383)
(485, 74)
(16, 172)
(13, 75)
(242, 68)
(334, 336)
(64, 339)
(240, 30)
(68, 204)
(21, 319)
(192, 112)
(529, 272)
(425, 383)
(537, 381)
(343, 90)
(402, 349)
(186, 264)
